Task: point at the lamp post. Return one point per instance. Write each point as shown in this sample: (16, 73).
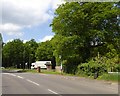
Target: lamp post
(96, 43)
(20, 66)
(61, 67)
(29, 57)
(25, 65)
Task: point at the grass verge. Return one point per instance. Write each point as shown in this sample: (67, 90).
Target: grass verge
(42, 71)
(110, 77)
(48, 72)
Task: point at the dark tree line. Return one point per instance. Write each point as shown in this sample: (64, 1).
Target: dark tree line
(20, 55)
(16, 53)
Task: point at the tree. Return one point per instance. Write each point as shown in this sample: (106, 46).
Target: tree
(44, 51)
(16, 53)
(13, 53)
(89, 24)
(30, 48)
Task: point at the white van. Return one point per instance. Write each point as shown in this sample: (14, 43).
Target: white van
(40, 64)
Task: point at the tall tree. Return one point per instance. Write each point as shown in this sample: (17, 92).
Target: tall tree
(30, 48)
(85, 25)
(13, 53)
(44, 51)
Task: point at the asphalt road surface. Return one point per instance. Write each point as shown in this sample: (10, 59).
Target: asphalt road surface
(38, 83)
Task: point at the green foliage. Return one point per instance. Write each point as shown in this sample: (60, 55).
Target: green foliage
(113, 64)
(16, 53)
(70, 65)
(30, 48)
(77, 26)
(110, 77)
(100, 65)
(86, 20)
(92, 67)
(44, 51)
(13, 53)
(67, 47)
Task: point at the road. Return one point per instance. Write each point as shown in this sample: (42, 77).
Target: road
(38, 83)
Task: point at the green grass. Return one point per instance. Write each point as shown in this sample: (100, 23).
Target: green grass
(48, 72)
(29, 70)
(110, 77)
(42, 71)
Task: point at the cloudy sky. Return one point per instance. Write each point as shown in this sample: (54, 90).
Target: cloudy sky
(27, 19)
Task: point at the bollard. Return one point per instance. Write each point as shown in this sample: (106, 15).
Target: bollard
(38, 69)
(95, 75)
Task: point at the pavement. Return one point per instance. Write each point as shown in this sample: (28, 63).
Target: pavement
(39, 84)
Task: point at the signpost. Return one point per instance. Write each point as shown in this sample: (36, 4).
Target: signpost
(61, 67)
(25, 65)
(20, 66)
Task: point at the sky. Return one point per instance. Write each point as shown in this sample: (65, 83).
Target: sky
(27, 19)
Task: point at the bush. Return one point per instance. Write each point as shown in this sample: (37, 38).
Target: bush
(91, 67)
(69, 66)
(99, 64)
(113, 64)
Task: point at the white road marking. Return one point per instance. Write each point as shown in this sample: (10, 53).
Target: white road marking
(32, 82)
(5, 73)
(12, 74)
(52, 91)
(20, 77)
(9, 74)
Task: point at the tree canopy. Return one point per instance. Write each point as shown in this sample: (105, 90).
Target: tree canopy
(84, 29)
(44, 51)
(13, 53)
(16, 53)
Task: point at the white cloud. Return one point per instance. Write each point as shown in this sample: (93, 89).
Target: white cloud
(9, 40)
(10, 26)
(46, 38)
(11, 29)
(26, 13)
(56, 3)
(17, 33)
